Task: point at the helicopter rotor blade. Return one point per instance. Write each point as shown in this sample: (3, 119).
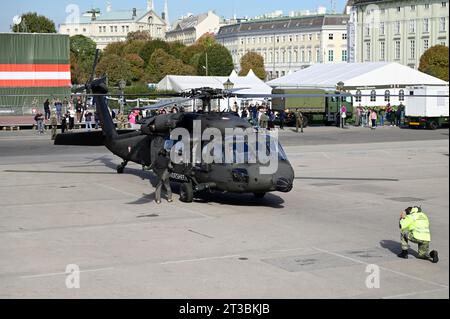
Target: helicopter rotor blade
(163, 104)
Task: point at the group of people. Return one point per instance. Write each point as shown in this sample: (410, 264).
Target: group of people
(374, 117)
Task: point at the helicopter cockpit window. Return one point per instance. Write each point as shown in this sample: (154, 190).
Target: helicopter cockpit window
(168, 144)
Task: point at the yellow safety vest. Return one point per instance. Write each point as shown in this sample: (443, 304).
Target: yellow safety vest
(418, 224)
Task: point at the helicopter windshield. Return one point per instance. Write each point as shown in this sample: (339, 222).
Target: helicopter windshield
(244, 153)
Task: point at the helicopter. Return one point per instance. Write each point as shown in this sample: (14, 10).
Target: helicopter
(195, 176)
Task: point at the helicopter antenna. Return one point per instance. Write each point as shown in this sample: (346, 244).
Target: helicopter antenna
(91, 79)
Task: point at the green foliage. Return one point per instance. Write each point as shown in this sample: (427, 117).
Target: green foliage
(115, 67)
(136, 66)
(176, 49)
(150, 47)
(82, 53)
(161, 64)
(116, 48)
(220, 61)
(133, 47)
(435, 62)
(34, 23)
(253, 61)
(139, 35)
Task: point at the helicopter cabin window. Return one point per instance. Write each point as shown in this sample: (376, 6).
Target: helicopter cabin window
(373, 96)
(387, 96)
(358, 97)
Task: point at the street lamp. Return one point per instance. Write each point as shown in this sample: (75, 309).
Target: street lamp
(228, 86)
(122, 85)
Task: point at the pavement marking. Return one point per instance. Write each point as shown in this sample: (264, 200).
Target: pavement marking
(117, 190)
(381, 267)
(64, 273)
(414, 293)
(204, 235)
(198, 260)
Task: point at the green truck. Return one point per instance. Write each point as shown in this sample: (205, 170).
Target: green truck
(33, 68)
(316, 106)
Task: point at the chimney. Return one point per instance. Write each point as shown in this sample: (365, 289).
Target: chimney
(134, 13)
(163, 15)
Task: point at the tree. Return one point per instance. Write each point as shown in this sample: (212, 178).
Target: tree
(139, 35)
(192, 53)
(435, 62)
(34, 23)
(82, 53)
(115, 67)
(133, 47)
(150, 47)
(253, 61)
(161, 64)
(220, 61)
(116, 48)
(136, 66)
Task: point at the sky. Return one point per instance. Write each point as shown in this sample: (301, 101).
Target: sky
(56, 10)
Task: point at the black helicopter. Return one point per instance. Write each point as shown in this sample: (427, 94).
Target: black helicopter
(143, 146)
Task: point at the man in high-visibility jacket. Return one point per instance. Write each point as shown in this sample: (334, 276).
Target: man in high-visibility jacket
(415, 227)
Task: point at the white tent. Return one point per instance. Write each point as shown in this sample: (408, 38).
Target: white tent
(249, 84)
(354, 75)
(387, 80)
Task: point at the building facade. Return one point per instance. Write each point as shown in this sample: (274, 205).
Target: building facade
(189, 29)
(290, 43)
(113, 26)
(396, 30)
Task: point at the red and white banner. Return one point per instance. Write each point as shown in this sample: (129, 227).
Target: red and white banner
(35, 75)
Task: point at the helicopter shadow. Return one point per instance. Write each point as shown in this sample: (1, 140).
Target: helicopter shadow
(247, 200)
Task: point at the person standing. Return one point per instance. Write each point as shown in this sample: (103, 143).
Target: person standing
(54, 124)
(88, 120)
(58, 107)
(282, 117)
(71, 114)
(382, 116)
(343, 113)
(39, 118)
(415, 227)
(161, 167)
(374, 118)
(299, 120)
(79, 109)
(358, 116)
(47, 109)
(63, 124)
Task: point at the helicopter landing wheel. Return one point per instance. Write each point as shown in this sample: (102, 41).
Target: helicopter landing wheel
(121, 167)
(260, 195)
(187, 193)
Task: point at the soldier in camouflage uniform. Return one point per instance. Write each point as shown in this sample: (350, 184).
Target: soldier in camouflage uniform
(54, 124)
(299, 120)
